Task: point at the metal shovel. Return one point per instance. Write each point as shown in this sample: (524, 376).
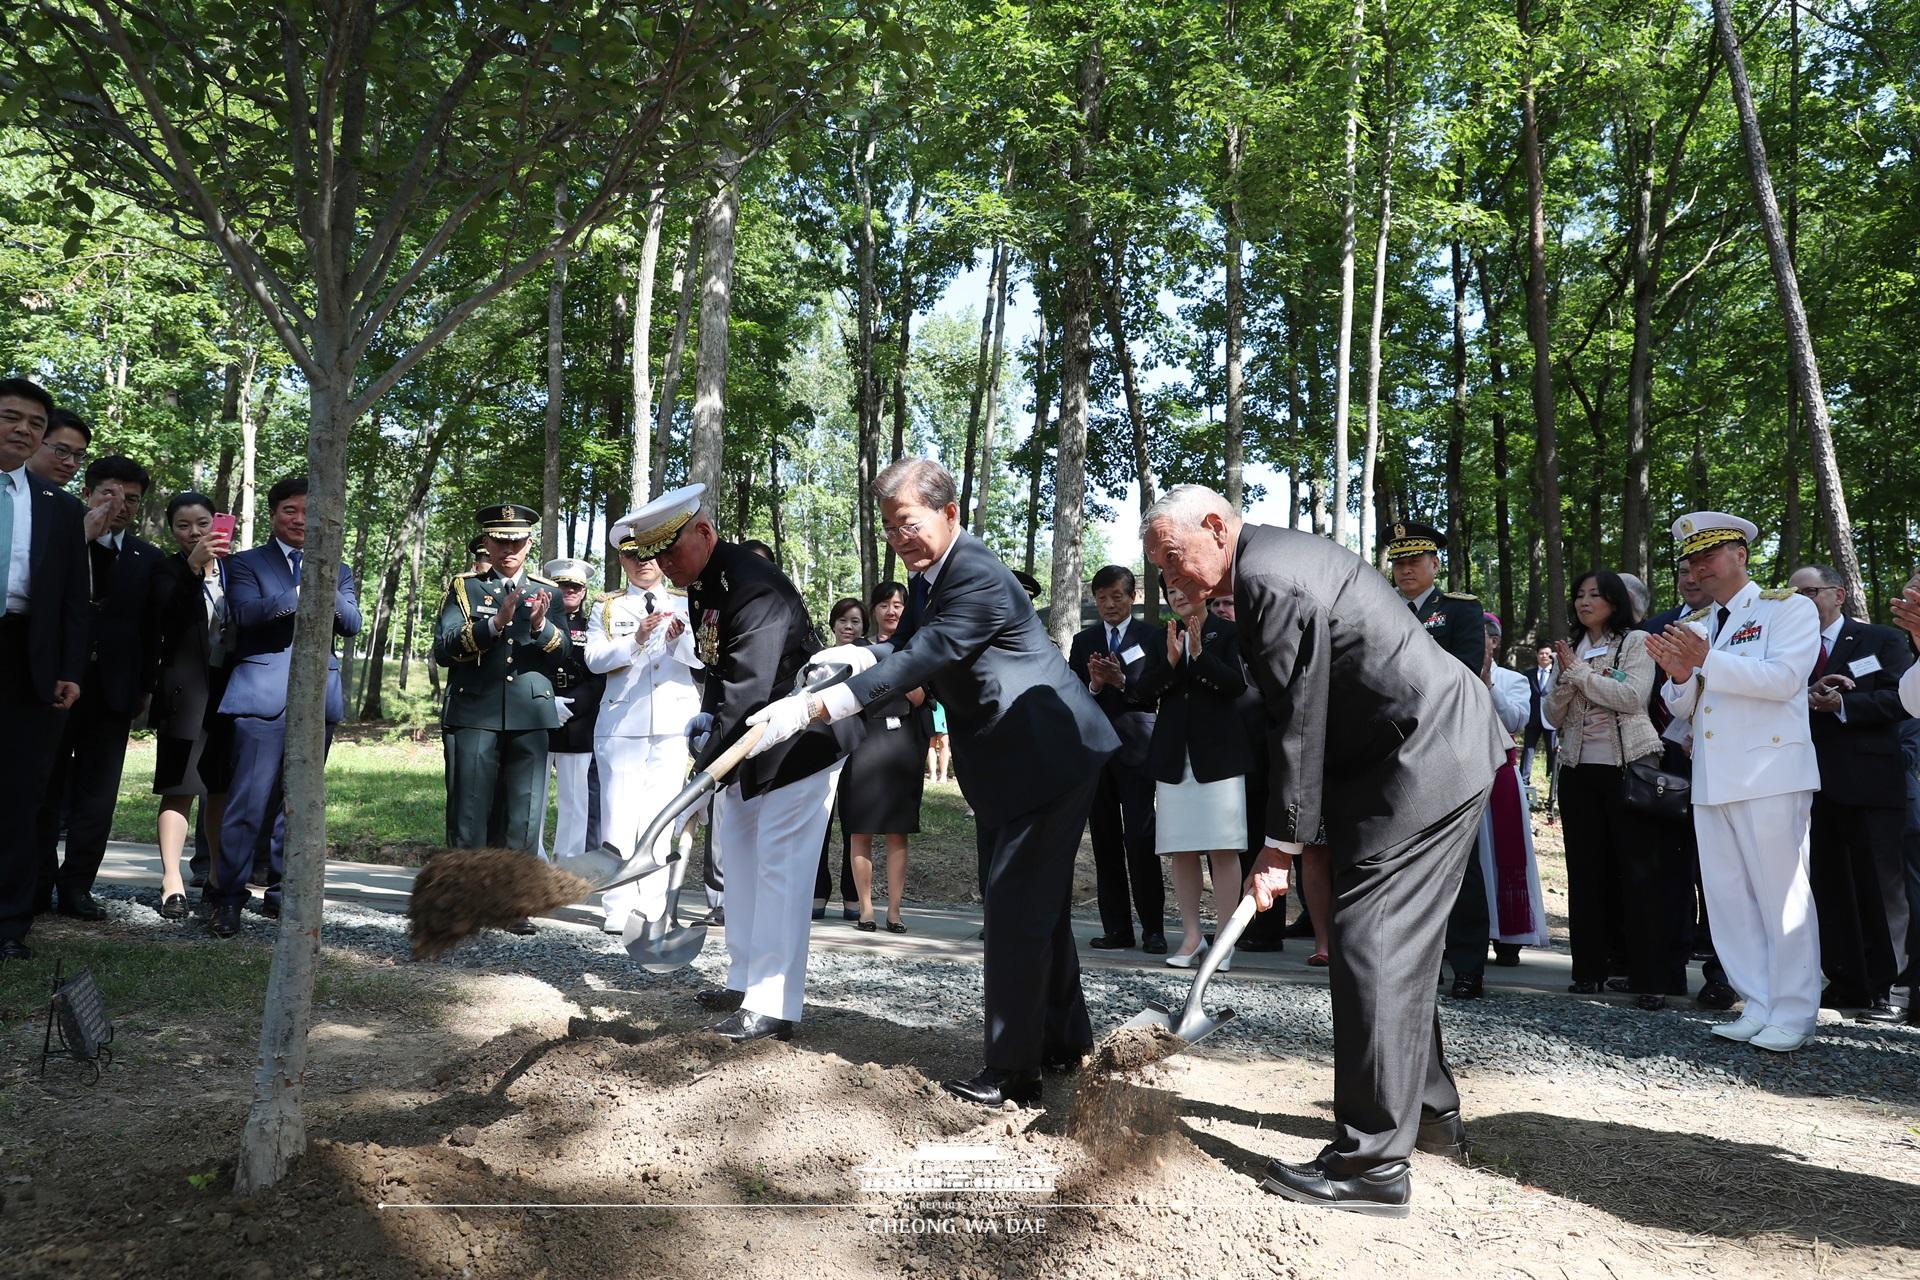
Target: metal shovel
(1193, 1022)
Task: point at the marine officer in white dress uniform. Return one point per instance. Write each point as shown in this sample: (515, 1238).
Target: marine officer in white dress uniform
(641, 640)
(1738, 671)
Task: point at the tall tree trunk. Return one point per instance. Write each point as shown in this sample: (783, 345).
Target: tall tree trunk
(1343, 359)
(866, 383)
(1235, 450)
(1546, 455)
(1636, 549)
(686, 279)
(253, 415)
(1790, 525)
(416, 564)
(641, 468)
(993, 395)
(1036, 446)
(1497, 380)
(1457, 425)
(229, 420)
(1370, 456)
(358, 558)
(556, 375)
(1076, 361)
(1136, 418)
(1786, 282)
(903, 343)
(1296, 409)
(978, 399)
(774, 505)
(716, 304)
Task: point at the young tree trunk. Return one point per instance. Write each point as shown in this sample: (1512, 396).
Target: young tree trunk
(1296, 409)
(1036, 446)
(1343, 359)
(641, 468)
(685, 279)
(276, 1130)
(866, 383)
(1786, 282)
(556, 375)
(1369, 457)
(358, 559)
(978, 399)
(716, 304)
(774, 506)
(1076, 360)
(1235, 451)
(251, 418)
(222, 491)
(1137, 420)
(414, 601)
(1497, 380)
(1457, 425)
(1790, 526)
(993, 395)
(1546, 455)
(1636, 548)
(903, 346)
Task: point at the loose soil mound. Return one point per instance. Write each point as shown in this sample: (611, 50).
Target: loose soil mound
(462, 891)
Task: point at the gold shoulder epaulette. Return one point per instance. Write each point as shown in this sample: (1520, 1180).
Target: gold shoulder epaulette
(1461, 595)
(545, 582)
(1779, 593)
(1698, 615)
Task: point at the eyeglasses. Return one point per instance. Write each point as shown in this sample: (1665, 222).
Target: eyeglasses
(901, 532)
(1810, 592)
(65, 454)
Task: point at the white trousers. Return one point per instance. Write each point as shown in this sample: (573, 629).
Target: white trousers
(638, 776)
(570, 772)
(772, 845)
(1753, 869)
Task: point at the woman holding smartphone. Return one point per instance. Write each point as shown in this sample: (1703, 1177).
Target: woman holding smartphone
(194, 742)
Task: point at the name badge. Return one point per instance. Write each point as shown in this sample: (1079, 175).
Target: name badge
(1864, 666)
(1132, 655)
(1597, 651)
(625, 626)
(486, 610)
(893, 722)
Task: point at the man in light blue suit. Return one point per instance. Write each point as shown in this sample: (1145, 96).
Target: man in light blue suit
(263, 591)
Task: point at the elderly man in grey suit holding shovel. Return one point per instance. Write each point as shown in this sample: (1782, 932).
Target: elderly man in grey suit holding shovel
(1387, 742)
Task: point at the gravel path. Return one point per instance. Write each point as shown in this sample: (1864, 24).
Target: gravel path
(1567, 1039)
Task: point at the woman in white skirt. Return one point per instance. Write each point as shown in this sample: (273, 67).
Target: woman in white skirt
(1200, 757)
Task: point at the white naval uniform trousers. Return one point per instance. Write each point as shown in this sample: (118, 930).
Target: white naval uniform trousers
(1754, 775)
(571, 770)
(772, 850)
(639, 739)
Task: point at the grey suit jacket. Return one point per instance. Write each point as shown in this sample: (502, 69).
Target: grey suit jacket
(1372, 729)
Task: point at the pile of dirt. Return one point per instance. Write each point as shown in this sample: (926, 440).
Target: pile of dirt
(462, 891)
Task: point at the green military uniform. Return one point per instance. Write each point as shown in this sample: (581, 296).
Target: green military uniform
(499, 707)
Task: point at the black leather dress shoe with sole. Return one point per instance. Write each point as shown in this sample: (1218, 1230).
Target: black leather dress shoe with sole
(174, 907)
(1061, 1062)
(721, 1001)
(993, 1088)
(226, 920)
(1384, 1192)
(744, 1025)
(1716, 995)
(1154, 944)
(81, 906)
(1883, 1011)
(1466, 989)
(521, 928)
(1443, 1133)
(1110, 942)
(15, 951)
(270, 908)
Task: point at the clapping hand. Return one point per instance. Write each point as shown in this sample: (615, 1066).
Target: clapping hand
(1906, 608)
(101, 504)
(1680, 650)
(652, 623)
(508, 603)
(1563, 655)
(537, 612)
(1175, 651)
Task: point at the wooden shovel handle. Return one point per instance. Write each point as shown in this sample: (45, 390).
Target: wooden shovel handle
(727, 760)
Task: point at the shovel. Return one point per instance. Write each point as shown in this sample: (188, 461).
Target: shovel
(1192, 1022)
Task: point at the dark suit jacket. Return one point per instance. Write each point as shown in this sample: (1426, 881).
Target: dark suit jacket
(1131, 716)
(125, 637)
(261, 599)
(1372, 728)
(571, 679)
(186, 682)
(1457, 622)
(752, 630)
(1536, 696)
(1023, 726)
(1200, 717)
(1860, 761)
(58, 612)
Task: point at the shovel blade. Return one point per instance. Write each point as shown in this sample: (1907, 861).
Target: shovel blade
(1202, 1025)
(670, 951)
(1155, 1017)
(594, 866)
(1191, 1028)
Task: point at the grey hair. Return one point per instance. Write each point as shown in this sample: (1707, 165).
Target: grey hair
(1828, 575)
(924, 478)
(1184, 506)
(1642, 598)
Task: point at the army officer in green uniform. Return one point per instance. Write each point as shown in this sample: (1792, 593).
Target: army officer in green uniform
(502, 649)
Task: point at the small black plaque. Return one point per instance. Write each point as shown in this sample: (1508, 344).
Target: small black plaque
(79, 1015)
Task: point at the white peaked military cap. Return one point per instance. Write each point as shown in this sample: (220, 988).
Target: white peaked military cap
(1699, 531)
(647, 531)
(578, 572)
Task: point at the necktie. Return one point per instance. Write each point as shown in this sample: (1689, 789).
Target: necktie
(100, 557)
(6, 536)
(917, 593)
(649, 599)
(294, 557)
(1820, 667)
(1113, 641)
(1720, 620)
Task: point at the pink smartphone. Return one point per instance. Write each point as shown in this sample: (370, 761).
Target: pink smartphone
(223, 524)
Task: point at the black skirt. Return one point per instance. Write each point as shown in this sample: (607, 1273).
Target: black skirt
(881, 783)
(195, 766)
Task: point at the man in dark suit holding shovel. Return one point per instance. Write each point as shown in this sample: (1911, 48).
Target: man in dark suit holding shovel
(1389, 743)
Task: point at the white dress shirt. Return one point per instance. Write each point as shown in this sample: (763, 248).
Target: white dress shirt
(20, 562)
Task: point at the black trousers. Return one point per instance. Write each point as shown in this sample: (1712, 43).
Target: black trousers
(30, 728)
(1468, 926)
(823, 877)
(1859, 890)
(1121, 826)
(1618, 885)
(1034, 1005)
(1389, 921)
(84, 784)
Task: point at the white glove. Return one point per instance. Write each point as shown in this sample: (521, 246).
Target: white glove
(857, 656)
(783, 719)
(565, 708)
(697, 730)
(694, 816)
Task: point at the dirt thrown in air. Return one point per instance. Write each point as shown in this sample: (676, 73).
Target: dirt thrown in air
(462, 891)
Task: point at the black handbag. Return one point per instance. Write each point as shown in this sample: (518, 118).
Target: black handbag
(1649, 790)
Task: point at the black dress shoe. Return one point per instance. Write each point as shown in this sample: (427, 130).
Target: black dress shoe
(1302, 927)
(81, 906)
(1884, 1011)
(1466, 989)
(743, 1025)
(270, 908)
(1584, 988)
(1384, 1191)
(1620, 986)
(1837, 997)
(865, 926)
(226, 919)
(1061, 1062)
(198, 881)
(1716, 995)
(1108, 942)
(1443, 1133)
(1506, 954)
(15, 951)
(1154, 944)
(1651, 1003)
(721, 1001)
(1275, 943)
(521, 928)
(173, 907)
(717, 917)
(993, 1087)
